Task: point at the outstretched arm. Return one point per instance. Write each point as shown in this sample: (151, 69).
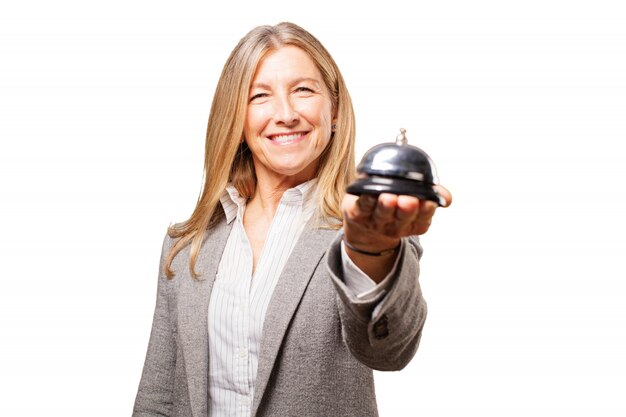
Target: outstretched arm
(383, 331)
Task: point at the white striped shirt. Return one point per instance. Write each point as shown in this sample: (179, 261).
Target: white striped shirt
(240, 299)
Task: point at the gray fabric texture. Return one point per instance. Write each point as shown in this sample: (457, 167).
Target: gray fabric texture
(319, 342)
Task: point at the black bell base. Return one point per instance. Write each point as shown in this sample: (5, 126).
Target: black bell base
(378, 185)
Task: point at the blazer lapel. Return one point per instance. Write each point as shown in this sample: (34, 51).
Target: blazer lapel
(194, 295)
(293, 281)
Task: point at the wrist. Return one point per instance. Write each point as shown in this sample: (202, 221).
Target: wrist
(370, 252)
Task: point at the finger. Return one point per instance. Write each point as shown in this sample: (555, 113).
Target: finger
(444, 193)
(407, 208)
(427, 209)
(366, 203)
(358, 209)
(349, 205)
(364, 208)
(425, 217)
(406, 214)
(385, 208)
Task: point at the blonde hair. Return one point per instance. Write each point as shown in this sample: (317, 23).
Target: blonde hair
(228, 159)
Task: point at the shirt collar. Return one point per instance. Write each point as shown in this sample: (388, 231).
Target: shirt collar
(300, 195)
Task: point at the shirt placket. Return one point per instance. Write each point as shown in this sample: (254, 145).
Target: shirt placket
(242, 351)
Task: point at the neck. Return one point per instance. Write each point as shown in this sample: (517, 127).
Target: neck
(267, 197)
(271, 186)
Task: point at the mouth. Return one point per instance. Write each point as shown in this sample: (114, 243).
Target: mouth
(287, 138)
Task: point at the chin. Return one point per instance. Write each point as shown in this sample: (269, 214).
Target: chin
(290, 172)
(295, 170)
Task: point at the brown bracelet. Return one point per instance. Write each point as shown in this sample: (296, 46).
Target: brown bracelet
(364, 252)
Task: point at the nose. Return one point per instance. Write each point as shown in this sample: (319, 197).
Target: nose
(285, 112)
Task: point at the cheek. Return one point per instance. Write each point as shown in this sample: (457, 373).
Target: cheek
(256, 119)
(320, 115)
(324, 115)
(325, 122)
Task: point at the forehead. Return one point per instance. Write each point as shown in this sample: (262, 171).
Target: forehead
(285, 64)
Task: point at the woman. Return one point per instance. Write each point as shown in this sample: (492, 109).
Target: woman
(264, 307)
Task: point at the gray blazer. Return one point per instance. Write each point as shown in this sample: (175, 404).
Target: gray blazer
(319, 342)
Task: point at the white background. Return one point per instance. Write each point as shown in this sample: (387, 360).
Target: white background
(522, 106)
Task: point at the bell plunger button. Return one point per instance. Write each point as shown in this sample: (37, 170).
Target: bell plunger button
(401, 138)
(397, 168)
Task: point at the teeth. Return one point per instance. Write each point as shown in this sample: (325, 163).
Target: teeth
(286, 138)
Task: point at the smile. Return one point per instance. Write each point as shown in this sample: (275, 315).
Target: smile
(287, 138)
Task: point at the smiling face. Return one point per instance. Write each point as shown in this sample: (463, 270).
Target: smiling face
(289, 117)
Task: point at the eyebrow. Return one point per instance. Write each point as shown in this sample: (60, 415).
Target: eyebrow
(293, 82)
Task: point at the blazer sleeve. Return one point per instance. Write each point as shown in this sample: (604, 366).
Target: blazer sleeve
(383, 332)
(154, 397)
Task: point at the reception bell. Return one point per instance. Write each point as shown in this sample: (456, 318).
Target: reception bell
(397, 168)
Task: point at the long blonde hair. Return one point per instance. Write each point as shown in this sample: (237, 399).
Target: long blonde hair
(228, 159)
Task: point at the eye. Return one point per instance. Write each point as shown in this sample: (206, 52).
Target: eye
(303, 89)
(258, 96)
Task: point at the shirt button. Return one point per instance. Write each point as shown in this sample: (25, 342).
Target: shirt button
(242, 307)
(243, 353)
(245, 401)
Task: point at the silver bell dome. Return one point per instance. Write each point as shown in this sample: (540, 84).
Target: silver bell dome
(397, 168)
